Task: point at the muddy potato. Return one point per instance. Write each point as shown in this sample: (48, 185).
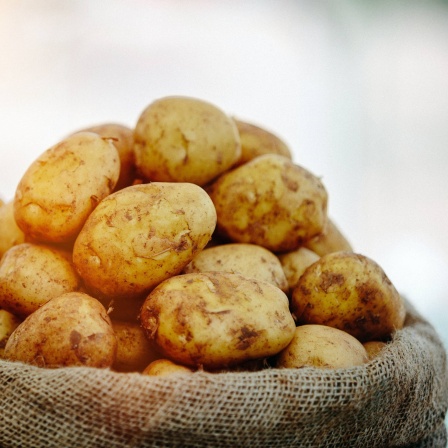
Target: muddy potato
(10, 233)
(248, 260)
(330, 240)
(373, 348)
(182, 139)
(270, 202)
(8, 323)
(141, 235)
(31, 274)
(165, 367)
(295, 262)
(70, 330)
(256, 141)
(123, 138)
(351, 292)
(217, 319)
(61, 187)
(134, 351)
(323, 347)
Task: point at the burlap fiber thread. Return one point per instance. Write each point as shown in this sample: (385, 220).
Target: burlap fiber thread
(397, 400)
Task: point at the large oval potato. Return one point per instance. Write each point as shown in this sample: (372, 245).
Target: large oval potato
(70, 330)
(141, 235)
(60, 188)
(217, 319)
(271, 202)
(182, 139)
(10, 232)
(123, 139)
(256, 141)
(165, 367)
(248, 260)
(351, 292)
(323, 347)
(32, 274)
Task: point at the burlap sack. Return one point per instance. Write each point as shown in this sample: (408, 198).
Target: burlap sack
(397, 400)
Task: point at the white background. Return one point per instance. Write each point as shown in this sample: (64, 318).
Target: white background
(359, 92)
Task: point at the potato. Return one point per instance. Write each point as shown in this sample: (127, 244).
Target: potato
(60, 188)
(330, 240)
(270, 202)
(123, 139)
(248, 260)
(256, 141)
(134, 351)
(70, 330)
(8, 323)
(295, 262)
(31, 274)
(373, 348)
(323, 347)
(182, 139)
(217, 319)
(351, 292)
(165, 367)
(10, 233)
(141, 235)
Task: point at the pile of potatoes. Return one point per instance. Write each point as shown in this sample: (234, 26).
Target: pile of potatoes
(192, 241)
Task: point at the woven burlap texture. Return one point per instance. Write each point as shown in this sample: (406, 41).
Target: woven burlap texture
(397, 400)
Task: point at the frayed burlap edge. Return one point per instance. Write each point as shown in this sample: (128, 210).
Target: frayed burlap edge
(397, 400)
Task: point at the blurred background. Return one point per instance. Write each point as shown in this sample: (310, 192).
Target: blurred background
(358, 89)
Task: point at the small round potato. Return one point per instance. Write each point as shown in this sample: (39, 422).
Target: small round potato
(373, 348)
(271, 202)
(61, 187)
(123, 139)
(70, 330)
(324, 347)
(182, 139)
(141, 235)
(8, 323)
(351, 292)
(10, 232)
(256, 141)
(248, 260)
(165, 367)
(217, 319)
(134, 351)
(330, 240)
(295, 262)
(32, 274)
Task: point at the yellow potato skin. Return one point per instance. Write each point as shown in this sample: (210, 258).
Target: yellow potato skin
(141, 235)
(256, 141)
(330, 240)
(165, 367)
(8, 323)
(70, 330)
(182, 139)
(61, 187)
(248, 260)
(373, 348)
(351, 292)
(295, 262)
(323, 347)
(270, 202)
(123, 139)
(32, 274)
(134, 351)
(10, 232)
(217, 319)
